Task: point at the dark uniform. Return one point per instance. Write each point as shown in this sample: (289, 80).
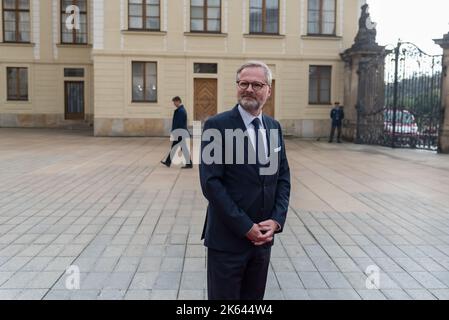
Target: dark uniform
(337, 116)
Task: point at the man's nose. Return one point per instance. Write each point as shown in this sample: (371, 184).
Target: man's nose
(250, 88)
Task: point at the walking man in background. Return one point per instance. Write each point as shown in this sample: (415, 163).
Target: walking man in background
(245, 208)
(337, 116)
(179, 122)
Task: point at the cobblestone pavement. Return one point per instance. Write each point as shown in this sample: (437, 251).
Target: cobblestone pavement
(132, 226)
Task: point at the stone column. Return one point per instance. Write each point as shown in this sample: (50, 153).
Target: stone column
(365, 48)
(353, 59)
(443, 138)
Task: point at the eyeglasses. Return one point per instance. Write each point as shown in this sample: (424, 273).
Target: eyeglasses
(257, 86)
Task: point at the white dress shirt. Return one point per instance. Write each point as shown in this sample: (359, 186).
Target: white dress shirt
(248, 118)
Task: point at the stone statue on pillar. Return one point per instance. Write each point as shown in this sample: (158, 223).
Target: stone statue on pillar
(364, 51)
(366, 36)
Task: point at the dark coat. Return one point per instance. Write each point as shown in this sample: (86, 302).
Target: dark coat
(238, 196)
(337, 116)
(179, 119)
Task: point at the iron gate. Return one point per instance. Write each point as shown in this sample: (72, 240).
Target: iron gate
(399, 98)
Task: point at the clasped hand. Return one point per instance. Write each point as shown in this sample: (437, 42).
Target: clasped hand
(262, 233)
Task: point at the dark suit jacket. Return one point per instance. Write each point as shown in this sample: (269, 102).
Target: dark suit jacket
(179, 119)
(238, 196)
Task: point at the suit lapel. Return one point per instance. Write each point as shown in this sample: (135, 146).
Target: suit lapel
(267, 123)
(236, 115)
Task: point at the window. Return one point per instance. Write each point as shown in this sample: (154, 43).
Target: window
(144, 15)
(205, 16)
(17, 84)
(211, 68)
(322, 15)
(16, 20)
(264, 16)
(76, 18)
(144, 81)
(73, 72)
(320, 84)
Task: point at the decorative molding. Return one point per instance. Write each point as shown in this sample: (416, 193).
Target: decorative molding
(122, 22)
(143, 32)
(302, 24)
(264, 36)
(36, 29)
(17, 44)
(73, 45)
(225, 22)
(225, 16)
(90, 27)
(206, 34)
(165, 16)
(283, 17)
(244, 17)
(56, 28)
(186, 16)
(244, 22)
(326, 38)
(341, 18)
(98, 42)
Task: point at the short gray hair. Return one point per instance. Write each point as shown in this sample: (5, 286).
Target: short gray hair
(257, 64)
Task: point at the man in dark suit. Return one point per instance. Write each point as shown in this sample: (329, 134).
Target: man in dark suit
(337, 116)
(246, 208)
(179, 123)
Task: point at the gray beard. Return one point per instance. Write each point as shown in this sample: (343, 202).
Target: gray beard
(250, 105)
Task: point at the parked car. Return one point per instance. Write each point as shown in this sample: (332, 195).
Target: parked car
(406, 128)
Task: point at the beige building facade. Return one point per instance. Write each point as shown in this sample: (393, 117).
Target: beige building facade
(124, 60)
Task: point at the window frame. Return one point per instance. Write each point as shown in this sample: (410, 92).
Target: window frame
(17, 12)
(320, 21)
(74, 31)
(17, 97)
(264, 19)
(319, 79)
(67, 70)
(205, 17)
(144, 17)
(144, 82)
(205, 63)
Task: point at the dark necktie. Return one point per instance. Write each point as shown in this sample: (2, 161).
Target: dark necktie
(259, 142)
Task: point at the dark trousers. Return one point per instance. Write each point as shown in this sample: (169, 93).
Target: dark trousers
(174, 148)
(238, 276)
(333, 133)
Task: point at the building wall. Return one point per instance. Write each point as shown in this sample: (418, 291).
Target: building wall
(112, 49)
(175, 50)
(45, 59)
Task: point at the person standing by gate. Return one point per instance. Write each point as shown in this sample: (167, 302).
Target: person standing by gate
(337, 116)
(179, 122)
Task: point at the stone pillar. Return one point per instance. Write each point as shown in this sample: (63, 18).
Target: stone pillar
(350, 96)
(365, 48)
(443, 138)
(353, 60)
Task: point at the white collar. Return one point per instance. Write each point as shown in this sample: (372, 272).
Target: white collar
(248, 118)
